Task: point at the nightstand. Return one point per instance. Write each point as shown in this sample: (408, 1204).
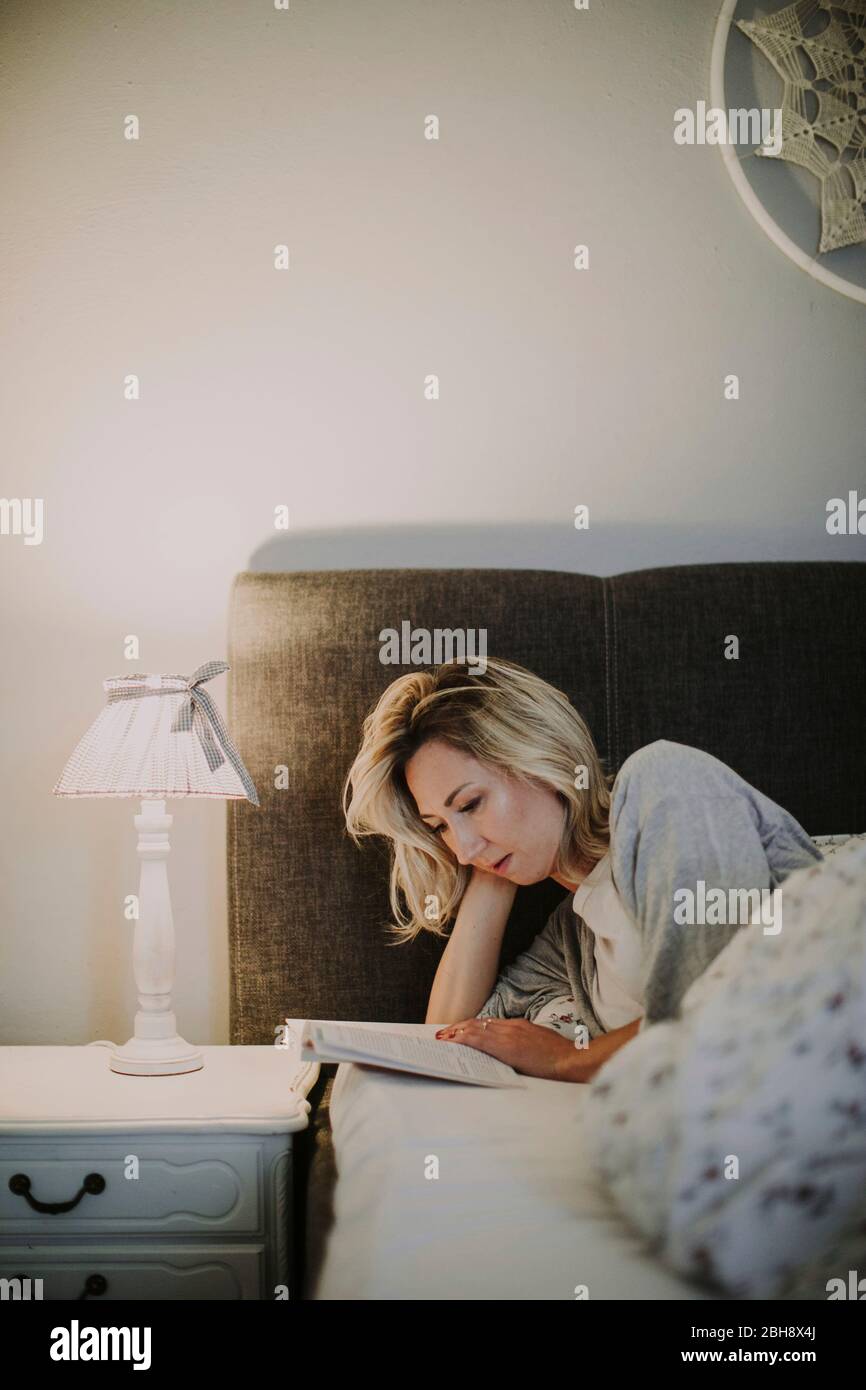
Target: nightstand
(149, 1187)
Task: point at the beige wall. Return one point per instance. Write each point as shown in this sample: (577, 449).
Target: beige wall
(305, 387)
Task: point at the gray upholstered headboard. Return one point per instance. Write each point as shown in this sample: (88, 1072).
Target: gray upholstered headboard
(641, 655)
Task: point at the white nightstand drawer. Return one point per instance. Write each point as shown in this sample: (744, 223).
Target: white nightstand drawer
(210, 1184)
(151, 1271)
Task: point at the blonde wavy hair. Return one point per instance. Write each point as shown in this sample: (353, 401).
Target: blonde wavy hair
(507, 718)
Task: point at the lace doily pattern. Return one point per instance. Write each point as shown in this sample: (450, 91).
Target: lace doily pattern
(829, 42)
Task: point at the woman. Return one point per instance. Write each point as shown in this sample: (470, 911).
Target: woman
(483, 782)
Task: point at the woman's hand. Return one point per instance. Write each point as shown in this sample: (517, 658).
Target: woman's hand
(527, 1047)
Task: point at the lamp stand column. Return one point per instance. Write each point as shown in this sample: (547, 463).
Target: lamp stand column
(156, 1048)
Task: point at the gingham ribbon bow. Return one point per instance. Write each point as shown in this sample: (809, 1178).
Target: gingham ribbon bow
(198, 712)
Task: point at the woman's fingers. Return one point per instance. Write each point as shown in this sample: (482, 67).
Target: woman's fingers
(450, 1029)
(527, 1047)
(466, 1031)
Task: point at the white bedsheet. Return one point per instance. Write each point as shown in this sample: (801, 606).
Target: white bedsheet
(516, 1212)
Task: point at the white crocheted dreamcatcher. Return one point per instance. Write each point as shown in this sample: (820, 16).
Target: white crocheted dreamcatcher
(830, 61)
(832, 146)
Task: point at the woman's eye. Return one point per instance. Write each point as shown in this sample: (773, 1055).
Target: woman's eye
(470, 806)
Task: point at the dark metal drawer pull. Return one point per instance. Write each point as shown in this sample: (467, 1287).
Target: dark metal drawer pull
(20, 1185)
(95, 1284)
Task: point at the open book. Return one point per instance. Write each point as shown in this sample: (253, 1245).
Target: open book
(403, 1049)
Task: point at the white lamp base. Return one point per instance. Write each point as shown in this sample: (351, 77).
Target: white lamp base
(156, 1048)
(156, 1057)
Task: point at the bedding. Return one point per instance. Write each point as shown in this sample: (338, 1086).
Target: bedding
(734, 1136)
(516, 1211)
(522, 1208)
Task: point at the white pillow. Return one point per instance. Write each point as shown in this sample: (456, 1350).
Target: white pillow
(829, 844)
(763, 1073)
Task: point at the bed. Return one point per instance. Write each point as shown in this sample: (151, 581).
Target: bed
(514, 1210)
(517, 1209)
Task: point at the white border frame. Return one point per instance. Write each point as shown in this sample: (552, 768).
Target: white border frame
(744, 188)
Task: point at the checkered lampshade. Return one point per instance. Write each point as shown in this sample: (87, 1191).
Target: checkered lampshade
(158, 736)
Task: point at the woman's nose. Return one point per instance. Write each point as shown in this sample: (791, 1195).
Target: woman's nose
(468, 849)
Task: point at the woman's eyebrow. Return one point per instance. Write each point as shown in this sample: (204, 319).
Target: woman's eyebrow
(425, 815)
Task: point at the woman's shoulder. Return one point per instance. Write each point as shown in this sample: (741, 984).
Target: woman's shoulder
(662, 753)
(663, 768)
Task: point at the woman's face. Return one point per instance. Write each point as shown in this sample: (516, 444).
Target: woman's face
(485, 816)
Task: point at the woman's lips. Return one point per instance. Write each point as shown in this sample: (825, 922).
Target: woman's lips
(502, 865)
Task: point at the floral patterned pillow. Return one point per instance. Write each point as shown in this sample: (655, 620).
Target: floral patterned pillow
(734, 1137)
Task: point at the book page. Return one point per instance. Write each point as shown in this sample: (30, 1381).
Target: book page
(411, 1051)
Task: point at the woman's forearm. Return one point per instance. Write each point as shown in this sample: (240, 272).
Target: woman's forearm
(470, 962)
(583, 1062)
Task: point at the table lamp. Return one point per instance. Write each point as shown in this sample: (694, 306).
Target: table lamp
(157, 737)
